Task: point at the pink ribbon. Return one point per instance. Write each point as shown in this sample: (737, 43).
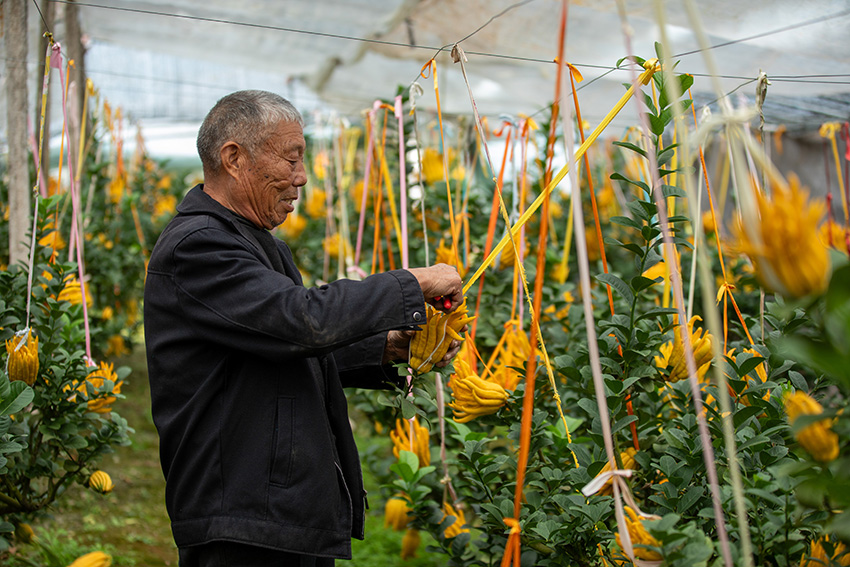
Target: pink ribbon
(370, 146)
(75, 240)
(402, 174)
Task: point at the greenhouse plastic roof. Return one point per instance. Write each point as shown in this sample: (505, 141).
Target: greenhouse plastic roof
(172, 59)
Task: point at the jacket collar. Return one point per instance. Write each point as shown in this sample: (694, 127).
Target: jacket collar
(196, 202)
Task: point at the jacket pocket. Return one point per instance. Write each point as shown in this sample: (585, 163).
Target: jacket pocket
(282, 443)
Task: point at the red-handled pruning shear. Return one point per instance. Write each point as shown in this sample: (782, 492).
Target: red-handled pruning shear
(447, 303)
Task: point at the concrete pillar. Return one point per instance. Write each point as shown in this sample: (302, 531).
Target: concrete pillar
(15, 37)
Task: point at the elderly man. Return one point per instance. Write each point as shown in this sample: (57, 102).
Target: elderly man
(247, 366)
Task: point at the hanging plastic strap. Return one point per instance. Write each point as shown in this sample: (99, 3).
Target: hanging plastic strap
(417, 91)
(402, 180)
(370, 146)
(524, 218)
(459, 56)
(75, 217)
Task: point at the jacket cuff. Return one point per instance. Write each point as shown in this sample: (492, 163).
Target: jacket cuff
(413, 300)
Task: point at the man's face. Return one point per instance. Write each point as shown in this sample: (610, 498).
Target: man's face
(271, 180)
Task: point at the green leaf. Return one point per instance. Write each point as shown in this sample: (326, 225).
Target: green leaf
(10, 447)
(745, 413)
(754, 442)
(650, 208)
(626, 221)
(408, 410)
(838, 294)
(410, 459)
(689, 498)
(406, 467)
(672, 191)
(546, 528)
(657, 123)
(665, 155)
(18, 397)
(630, 246)
(749, 365)
(622, 288)
(589, 406)
(640, 283)
(678, 218)
(632, 147)
(812, 492)
(621, 423)
(641, 184)
(659, 51)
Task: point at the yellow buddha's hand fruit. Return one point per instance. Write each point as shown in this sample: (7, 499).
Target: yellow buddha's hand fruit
(431, 344)
(23, 361)
(628, 458)
(817, 439)
(409, 544)
(401, 439)
(93, 559)
(100, 481)
(640, 536)
(473, 396)
(397, 514)
(459, 525)
(673, 359)
(818, 557)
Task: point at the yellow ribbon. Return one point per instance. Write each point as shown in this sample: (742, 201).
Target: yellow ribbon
(829, 130)
(643, 79)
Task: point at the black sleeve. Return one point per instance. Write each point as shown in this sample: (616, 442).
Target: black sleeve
(359, 365)
(234, 299)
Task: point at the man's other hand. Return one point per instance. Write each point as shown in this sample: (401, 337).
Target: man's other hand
(440, 280)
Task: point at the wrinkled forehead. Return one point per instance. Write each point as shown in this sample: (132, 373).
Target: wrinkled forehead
(285, 137)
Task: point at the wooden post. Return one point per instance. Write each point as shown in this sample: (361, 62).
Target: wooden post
(15, 37)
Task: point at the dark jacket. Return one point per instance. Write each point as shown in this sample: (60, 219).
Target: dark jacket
(246, 369)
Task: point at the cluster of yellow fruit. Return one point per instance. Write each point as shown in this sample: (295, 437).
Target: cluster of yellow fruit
(818, 438)
(761, 372)
(431, 344)
(398, 515)
(473, 396)
(783, 242)
(93, 559)
(672, 359)
(628, 459)
(817, 555)
(410, 436)
(100, 481)
(640, 538)
(96, 378)
(23, 360)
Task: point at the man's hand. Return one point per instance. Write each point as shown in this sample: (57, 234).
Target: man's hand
(454, 348)
(440, 280)
(397, 348)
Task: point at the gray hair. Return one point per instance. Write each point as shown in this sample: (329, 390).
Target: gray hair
(244, 117)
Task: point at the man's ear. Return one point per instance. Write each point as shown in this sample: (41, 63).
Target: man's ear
(231, 155)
